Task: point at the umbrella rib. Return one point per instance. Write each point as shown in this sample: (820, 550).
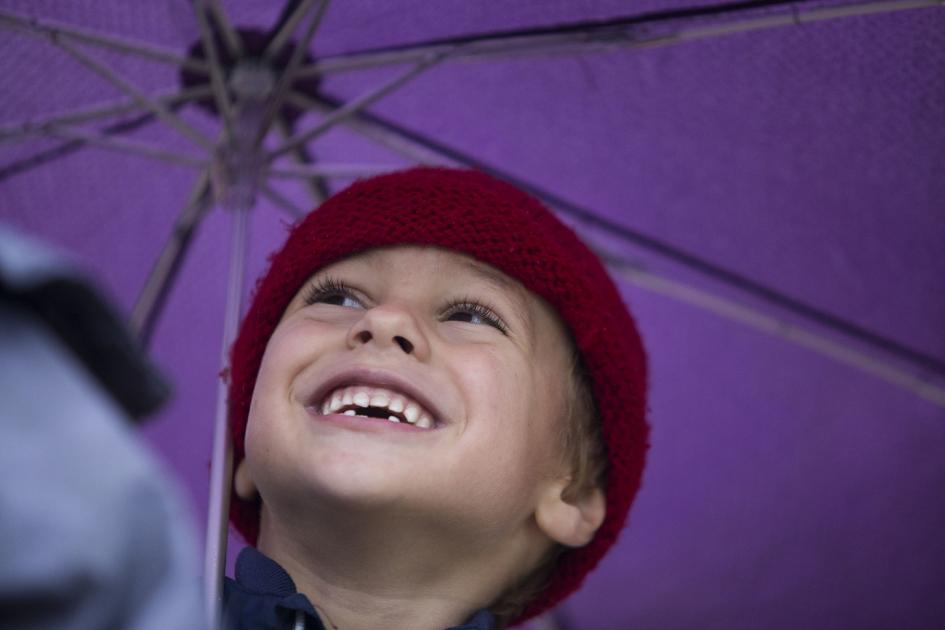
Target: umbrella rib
(62, 31)
(300, 155)
(29, 127)
(69, 147)
(151, 300)
(231, 38)
(281, 38)
(288, 74)
(118, 144)
(657, 247)
(217, 83)
(322, 170)
(158, 109)
(281, 201)
(624, 32)
(378, 134)
(796, 17)
(777, 327)
(346, 110)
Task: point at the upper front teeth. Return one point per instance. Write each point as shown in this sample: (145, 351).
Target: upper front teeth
(400, 407)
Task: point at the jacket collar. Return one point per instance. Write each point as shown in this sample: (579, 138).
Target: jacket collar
(260, 573)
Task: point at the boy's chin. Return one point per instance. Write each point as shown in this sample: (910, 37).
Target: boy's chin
(386, 494)
(361, 481)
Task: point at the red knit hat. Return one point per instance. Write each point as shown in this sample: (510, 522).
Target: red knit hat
(475, 214)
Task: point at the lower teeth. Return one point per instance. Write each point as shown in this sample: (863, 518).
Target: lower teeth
(352, 412)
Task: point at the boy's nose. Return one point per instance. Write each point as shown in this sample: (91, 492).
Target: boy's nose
(390, 326)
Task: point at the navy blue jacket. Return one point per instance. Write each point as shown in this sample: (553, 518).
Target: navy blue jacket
(264, 597)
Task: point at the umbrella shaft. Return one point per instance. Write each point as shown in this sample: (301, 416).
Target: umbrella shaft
(221, 463)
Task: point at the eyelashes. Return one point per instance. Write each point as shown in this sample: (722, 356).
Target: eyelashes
(471, 306)
(328, 290)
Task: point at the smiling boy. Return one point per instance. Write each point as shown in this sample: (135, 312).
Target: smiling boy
(423, 409)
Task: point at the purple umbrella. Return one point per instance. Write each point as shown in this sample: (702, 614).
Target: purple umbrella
(763, 178)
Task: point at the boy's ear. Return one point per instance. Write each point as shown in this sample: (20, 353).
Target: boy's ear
(243, 482)
(572, 523)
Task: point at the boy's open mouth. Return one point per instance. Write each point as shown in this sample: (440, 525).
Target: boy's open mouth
(376, 402)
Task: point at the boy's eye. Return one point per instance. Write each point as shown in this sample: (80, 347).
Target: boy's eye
(338, 299)
(329, 291)
(337, 293)
(475, 313)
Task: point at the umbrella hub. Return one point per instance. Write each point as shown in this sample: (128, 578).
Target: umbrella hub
(252, 80)
(238, 165)
(250, 74)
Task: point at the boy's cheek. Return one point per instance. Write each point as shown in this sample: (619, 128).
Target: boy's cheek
(296, 345)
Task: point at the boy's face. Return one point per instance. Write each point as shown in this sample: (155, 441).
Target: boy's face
(483, 359)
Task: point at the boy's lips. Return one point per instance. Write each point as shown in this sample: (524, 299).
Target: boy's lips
(374, 378)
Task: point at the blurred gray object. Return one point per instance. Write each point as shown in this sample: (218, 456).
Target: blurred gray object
(92, 534)
(39, 280)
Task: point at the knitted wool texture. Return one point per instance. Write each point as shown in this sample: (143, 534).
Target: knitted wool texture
(475, 214)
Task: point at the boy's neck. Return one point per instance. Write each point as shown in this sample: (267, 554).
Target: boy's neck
(375, 572)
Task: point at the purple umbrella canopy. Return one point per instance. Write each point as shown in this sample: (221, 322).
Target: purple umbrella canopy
(764, 180)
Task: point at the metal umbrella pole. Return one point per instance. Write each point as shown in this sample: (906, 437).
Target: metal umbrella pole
(248, 103)
(221, 462)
